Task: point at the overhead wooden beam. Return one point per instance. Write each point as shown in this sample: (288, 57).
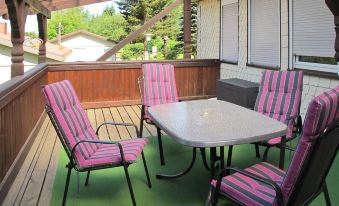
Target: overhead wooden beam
(333, 5)
(64, 4)
(132, 36)
(42, 24)
(187, 29)
(38, 7)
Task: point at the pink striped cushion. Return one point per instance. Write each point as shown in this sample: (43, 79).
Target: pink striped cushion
(322, 112)
(159, 85)
(110, 153)
(279, 97)
(75, 126)
(249, 191)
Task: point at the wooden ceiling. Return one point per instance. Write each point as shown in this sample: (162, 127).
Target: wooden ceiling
(53, 5)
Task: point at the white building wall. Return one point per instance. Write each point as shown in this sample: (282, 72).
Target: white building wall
(85, 48)
(207, 44)
(30, 61)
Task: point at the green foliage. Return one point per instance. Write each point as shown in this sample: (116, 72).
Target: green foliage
(70, 19)
(31, 34)
(136, 13)
(133, 51)
(109, 24)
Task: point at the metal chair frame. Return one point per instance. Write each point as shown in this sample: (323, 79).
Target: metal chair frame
(72, 163)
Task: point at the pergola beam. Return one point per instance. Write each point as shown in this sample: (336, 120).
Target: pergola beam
(333, 5)
(132, 36)
(38, 8)
(187, 29)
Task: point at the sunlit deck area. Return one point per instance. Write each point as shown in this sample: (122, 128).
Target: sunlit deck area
(34, 183)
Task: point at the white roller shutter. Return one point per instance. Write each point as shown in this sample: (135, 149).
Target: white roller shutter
(229, 36)
(264, 31)
(313, 28)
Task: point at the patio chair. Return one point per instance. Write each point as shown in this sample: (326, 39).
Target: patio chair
(83, 147)
(156, 86)
(266, 184)
(279, 97)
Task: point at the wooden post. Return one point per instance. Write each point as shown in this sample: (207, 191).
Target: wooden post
(333, 5)
(17, 12)
(42, 23)
(187, 29)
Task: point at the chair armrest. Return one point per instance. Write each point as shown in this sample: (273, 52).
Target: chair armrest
(97, 142)
(271, 183)
(119, 124)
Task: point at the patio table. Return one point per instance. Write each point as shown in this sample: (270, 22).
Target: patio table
(212, 124)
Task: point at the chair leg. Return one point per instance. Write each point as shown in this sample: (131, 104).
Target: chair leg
(67, 184)
(327, 195)
(282, 156)
(265, 154)
(129, 185)
(141, 126)
(257, 152)
(87, 178)
(209, 197)
(146, 170)
(162, 158)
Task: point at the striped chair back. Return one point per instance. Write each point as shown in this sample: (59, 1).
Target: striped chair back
(315, 151)
(279, 96)
(70, 119)
(159, 85)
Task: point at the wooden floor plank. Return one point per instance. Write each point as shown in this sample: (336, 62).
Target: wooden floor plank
(37, 176)
(91, 117)
(124, 134)
(47, 189)
(136, 120)
(112, 130)
(103, 132)
(16, 191)
(126, 119)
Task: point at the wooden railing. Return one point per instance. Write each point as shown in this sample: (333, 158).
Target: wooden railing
(111, 84)
(100, 84)
(21, 106)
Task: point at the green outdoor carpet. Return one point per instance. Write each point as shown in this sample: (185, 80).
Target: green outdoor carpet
(109, 186)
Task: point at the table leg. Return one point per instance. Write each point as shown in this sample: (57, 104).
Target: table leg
(282, 153)
(229, 157)
(222, 157)
(213, 157)
(164, 176)
(203, 155)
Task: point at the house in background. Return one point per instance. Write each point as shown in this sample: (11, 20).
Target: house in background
(250, 36)
(53, 54)
(85, 46)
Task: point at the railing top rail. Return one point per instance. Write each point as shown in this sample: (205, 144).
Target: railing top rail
(14, 87)
(128, 64)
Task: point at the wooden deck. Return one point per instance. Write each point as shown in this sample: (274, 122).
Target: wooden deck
(34, 183)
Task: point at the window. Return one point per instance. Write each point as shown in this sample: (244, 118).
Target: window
(229, 35)
(313, 36)
(264, 33)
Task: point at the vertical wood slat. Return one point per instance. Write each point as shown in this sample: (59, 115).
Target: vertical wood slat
(21, 106)
(115, 84)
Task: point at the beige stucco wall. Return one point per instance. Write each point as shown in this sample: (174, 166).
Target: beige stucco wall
(207, 44)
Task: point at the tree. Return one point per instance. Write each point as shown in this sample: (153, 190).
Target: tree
(109, 24)
(133, 51)
(70, 19)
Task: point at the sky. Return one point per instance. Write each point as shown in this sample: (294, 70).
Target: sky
(32, 24)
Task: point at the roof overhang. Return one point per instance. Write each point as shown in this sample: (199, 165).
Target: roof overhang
(47, 6)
